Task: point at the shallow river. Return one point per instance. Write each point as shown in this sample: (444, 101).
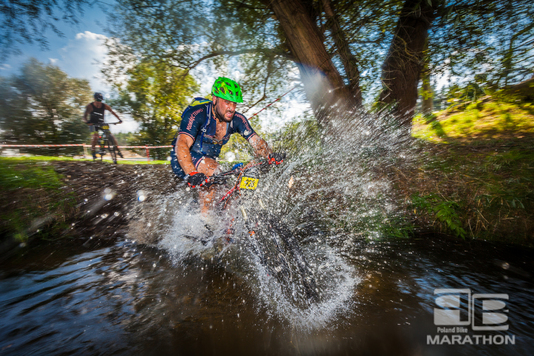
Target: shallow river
(126, 299)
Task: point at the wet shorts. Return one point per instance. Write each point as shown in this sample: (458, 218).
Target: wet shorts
(177, 169)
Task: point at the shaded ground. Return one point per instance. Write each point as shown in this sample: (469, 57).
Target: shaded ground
(99, 195)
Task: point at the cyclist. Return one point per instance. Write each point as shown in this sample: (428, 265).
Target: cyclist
(96, 111)
(206, 126)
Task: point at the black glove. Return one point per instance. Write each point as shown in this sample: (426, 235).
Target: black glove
(276, 158)
(196, 179)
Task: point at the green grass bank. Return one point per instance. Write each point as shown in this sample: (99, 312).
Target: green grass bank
(32, 199)
(475, 178)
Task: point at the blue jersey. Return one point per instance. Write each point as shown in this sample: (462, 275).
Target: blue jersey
(198, 122)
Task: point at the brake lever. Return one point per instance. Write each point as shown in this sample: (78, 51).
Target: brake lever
(216, 180)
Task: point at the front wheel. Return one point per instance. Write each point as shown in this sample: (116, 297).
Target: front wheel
(112, 152)
(280, 252)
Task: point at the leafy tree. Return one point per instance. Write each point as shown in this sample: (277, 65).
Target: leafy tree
(335, 46)
(489, 42)
(26, 21)
(124, 138)
(340, 48)
(155, 95)
(42, 105)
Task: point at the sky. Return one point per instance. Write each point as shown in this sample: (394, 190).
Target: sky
(79, 54)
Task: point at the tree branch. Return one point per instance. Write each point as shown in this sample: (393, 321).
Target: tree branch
(235, 53)
(247, 6)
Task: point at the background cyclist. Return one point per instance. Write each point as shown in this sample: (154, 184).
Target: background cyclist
(95, 111)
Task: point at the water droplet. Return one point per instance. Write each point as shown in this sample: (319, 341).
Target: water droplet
(141, 195)
(229, 156)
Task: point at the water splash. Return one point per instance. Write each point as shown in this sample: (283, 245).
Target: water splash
(337, 181)
(344, 179)
(189, 234)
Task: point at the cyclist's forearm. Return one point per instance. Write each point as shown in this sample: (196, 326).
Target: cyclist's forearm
(184, 157)
(117, 116)
(261, 148)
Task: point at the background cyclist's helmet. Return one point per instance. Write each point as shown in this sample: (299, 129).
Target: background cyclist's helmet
(227, 89)
(98, 96)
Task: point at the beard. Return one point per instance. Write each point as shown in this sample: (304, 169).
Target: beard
(222, 116)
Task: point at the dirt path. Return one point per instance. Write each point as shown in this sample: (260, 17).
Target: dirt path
(104, 195)
(106, 192)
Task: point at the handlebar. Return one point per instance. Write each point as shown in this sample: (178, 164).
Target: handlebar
(221, 177)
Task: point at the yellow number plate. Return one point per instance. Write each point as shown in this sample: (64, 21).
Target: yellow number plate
(248, 183)
(105, 127)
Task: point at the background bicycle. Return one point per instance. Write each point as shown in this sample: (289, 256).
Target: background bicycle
(106, 141)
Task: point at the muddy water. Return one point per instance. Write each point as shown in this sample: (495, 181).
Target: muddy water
(128, 299)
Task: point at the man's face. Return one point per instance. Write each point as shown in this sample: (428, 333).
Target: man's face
(225, 109)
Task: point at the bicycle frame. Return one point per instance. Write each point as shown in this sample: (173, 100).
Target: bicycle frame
(239, 184)
(105, 140)
(262, 226)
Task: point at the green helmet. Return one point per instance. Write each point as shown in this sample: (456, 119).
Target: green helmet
(227, 89)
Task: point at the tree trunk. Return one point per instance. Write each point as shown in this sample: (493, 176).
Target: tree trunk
(427, 104)
(427, 100)
(323, 83)
(401, 70)
(342, 45)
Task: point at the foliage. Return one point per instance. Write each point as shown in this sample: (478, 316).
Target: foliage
(296, 135)
(183, 34)
(482, 192)
(226, 34)
(480, 120)
(155, 95)
(444, 211)
(124, 138)
(21, 211)
(486, 41)
(42, 105)
(44, 159)
(26, 21)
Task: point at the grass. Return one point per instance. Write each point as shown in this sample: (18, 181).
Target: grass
(14, 176)
(475, 178)
(31, 200)
(479, 121)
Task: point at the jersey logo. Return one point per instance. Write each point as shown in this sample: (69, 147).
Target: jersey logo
(199, 101)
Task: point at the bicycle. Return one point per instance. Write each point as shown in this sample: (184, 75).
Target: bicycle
(267, 236)
(105, 141)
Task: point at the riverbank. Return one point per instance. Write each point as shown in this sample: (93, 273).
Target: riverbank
(470, 179)
(475, 177)
(83, 202)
